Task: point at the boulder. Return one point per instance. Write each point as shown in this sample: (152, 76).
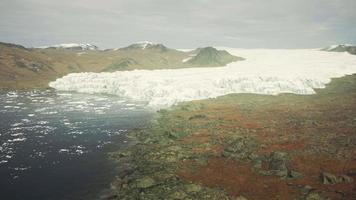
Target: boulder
(345, 179)
(278, 163)
(328, 178)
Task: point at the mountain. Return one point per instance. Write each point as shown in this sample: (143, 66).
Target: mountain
(146, 45)
(342, 48)
(22, 68)
(210, 56)
(72, 46)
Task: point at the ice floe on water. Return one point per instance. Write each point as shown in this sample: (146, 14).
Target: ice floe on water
(264, 72)
(59, 126)
(17, 139)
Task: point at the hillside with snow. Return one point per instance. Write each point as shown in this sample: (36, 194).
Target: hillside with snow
(73, 46)
(341, 48)
(263, 72)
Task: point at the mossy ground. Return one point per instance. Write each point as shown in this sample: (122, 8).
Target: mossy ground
(246, 146)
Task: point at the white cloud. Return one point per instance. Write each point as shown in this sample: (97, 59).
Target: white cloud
(183, 24)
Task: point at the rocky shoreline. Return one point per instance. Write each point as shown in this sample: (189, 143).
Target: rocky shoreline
(245, 146)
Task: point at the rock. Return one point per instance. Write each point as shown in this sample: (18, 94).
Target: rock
(240, 149)
(294, 174)
(280, 173)
(145, 182)
(116, 184)
(328, 178)
(278, 163)
(345, 179)
(191, 188)
(306, 189)
(313, 195)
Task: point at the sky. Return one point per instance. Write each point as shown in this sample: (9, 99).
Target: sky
(180, 24)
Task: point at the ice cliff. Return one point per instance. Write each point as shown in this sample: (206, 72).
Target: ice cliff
(264, 72)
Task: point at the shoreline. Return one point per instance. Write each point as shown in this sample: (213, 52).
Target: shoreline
(245, 146)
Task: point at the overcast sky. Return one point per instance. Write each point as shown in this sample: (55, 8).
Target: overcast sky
(180, 23)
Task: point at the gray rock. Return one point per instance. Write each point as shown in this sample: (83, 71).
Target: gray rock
(278, 163)
(328, 178)
(306, 189)
(294, 174)
(345, 179)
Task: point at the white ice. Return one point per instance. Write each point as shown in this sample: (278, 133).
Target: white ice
(264, 71)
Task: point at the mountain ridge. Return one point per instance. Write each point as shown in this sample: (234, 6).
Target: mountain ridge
(22, 68)
(341, 48)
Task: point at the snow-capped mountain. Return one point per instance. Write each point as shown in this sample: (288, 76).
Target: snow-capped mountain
(341, 48)
(74, 46)
(145, 45)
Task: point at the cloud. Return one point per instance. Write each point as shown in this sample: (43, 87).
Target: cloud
(181, 24)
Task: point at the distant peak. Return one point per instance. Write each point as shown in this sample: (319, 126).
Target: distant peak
(146, 45)
(335, 46)
(75, 46)
(342, 48)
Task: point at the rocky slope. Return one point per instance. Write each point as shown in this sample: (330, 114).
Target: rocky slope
(209, 56)
(22, 68)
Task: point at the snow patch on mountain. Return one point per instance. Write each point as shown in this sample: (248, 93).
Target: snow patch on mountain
(333, 47)
(264, 71)
(144, 44)
(71, 46)
(189, 58)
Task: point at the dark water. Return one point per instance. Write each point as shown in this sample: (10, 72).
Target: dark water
(54, 145)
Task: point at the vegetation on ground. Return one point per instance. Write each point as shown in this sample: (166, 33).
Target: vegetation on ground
(246, 146)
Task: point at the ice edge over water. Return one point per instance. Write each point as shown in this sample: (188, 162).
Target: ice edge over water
(264, 71)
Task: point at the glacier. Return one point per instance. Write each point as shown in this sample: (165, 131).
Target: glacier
(265, 71)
